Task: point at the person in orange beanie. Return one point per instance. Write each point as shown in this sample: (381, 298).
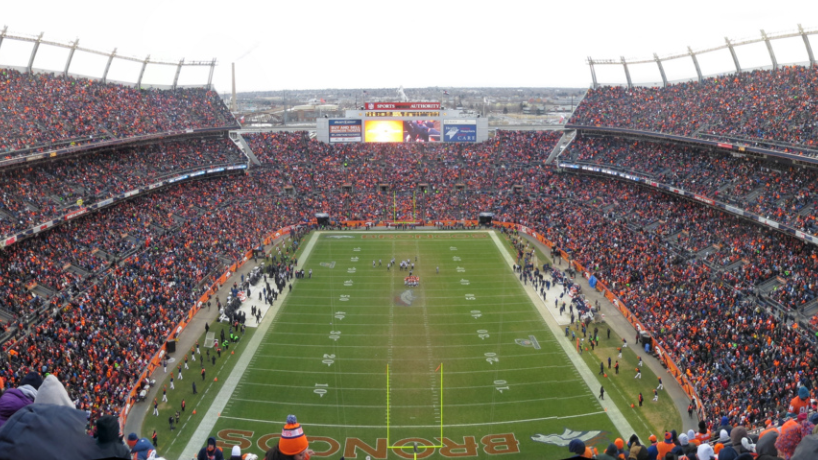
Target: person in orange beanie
(293, 444)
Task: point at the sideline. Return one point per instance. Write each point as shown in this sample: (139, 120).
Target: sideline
(619, 421)
(203, 431)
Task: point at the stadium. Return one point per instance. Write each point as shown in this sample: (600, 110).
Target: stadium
(404, 280)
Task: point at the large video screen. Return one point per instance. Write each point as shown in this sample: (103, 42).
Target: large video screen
(402, 131)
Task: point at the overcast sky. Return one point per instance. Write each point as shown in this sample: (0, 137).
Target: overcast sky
(373, 44)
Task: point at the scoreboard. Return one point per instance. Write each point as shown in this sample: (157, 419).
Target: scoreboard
(402, 122)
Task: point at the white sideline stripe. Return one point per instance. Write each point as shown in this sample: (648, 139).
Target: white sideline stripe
(199, 437)
(342, 373)
(383, 406)
(445, 425)
(612, 410)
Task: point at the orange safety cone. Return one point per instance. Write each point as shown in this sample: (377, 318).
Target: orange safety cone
(194, 411)
(220, 414)
(232, 352)
(215, 379)
(631, 406)
(605, 375)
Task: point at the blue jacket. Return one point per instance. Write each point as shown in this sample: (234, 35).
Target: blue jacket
(48, 431)
(143, 448)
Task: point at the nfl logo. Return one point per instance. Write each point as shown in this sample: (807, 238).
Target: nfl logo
(371, 106)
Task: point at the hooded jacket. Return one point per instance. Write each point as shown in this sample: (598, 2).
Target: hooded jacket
(216, 454)
(53, 392)
(108, 439)
(48, 431)
(14, 400)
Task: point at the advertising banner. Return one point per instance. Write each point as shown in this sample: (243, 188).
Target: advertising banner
(460, 133)
(345, 131)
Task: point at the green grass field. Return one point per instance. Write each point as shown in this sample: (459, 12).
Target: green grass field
(325, 359)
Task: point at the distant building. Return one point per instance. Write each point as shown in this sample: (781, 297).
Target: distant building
(303, 113)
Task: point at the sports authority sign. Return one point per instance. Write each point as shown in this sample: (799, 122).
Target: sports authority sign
(403, 105)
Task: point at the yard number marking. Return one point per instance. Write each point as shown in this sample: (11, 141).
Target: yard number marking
(482, 333)
(456, 259)
(335, 335)
(344, 298)
(348, 283)
(501, 385)
(353, 259)
(461, 270)
(340, 314)
(328, 359)
(321, 389)
(351, 270)
(471, 297)
(491, 358)
(464, 282)
(476, 314)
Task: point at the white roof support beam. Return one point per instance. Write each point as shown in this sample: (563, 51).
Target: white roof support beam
(696, 64)
(593, 72)
(34, 52)
(178, 71)
(108, 66)
(803, 35)
(627, 72)
(70, 57)
(142, 72)
(661, 69)
(769, 49)
(733, 53)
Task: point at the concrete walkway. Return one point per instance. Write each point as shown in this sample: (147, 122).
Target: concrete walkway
(622, 327)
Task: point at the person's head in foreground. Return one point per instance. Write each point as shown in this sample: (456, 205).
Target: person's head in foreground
(293, 444)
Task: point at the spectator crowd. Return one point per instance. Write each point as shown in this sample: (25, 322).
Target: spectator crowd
(43, 111)
(771, 108)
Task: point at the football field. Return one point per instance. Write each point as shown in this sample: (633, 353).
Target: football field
(473, 369)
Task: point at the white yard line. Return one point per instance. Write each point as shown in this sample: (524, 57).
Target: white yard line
(203, 431)
(619, 421)
(407, 373)
(383, 406)
(458, 425)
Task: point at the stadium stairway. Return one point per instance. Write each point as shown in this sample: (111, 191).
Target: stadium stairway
(236, 137)
(568, 136)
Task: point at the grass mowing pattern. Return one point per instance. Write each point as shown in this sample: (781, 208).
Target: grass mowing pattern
(325, 357)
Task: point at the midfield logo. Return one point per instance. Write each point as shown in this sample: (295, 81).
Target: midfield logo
(406, 298)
